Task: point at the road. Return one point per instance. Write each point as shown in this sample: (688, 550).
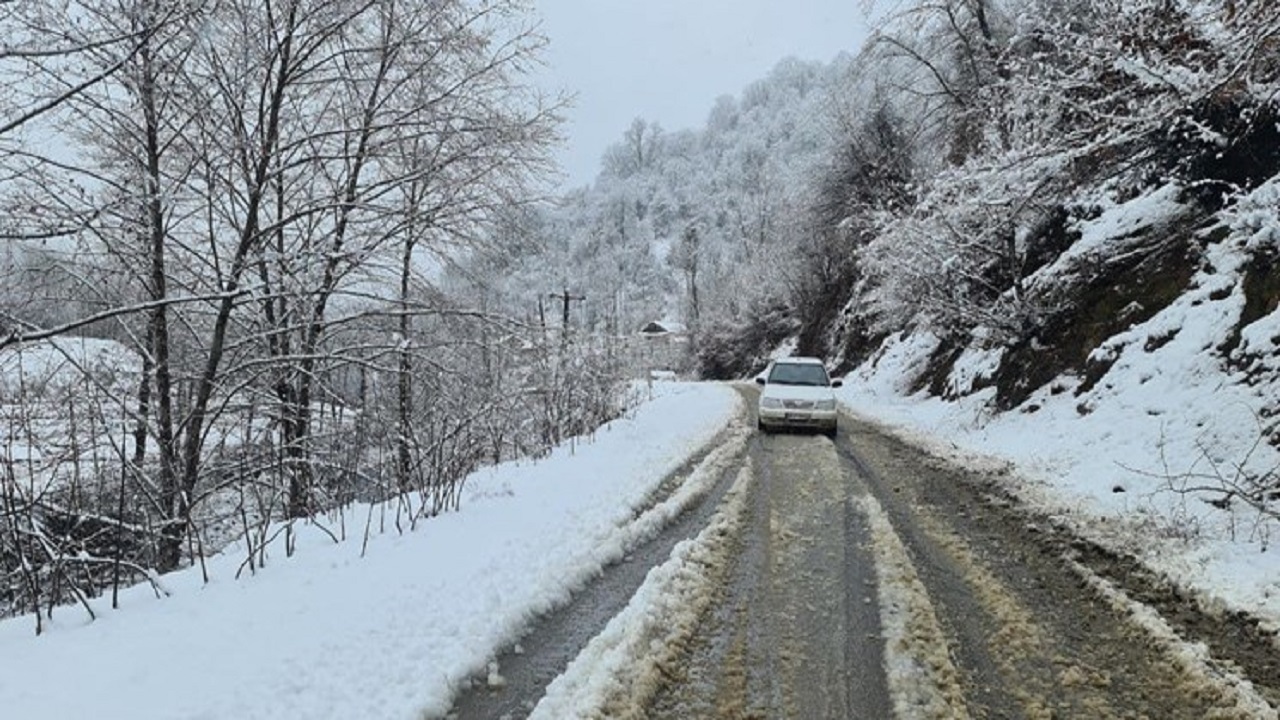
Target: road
(868, 579)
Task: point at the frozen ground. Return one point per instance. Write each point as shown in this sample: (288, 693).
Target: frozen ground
(328, 634)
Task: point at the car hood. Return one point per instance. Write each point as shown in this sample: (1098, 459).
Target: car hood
(797, 392)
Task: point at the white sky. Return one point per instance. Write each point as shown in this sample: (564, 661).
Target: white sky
(668, 60)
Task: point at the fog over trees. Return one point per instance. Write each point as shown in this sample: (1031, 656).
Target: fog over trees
(709, 229)
(263, 259)
(924, 181)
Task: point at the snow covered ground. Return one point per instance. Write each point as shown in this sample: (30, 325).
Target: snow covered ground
(328, 634)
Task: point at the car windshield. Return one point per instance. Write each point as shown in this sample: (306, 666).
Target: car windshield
(798, 374)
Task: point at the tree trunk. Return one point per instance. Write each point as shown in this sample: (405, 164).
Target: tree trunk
(173, 500)
(404, 429)
(249, 237)
(141, 426)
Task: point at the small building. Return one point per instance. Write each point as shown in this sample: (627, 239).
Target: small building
(663, 329)
(664, 345)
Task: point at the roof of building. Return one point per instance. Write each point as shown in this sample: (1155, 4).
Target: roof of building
(658, 327)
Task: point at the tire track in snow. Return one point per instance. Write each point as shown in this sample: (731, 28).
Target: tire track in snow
(515, 680)
(795, 633)
(1034, 634)
(923, 682)
(621, 669)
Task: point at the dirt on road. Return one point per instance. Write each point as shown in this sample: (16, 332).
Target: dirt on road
(797, 633)
(1033, 627)
(869, 579)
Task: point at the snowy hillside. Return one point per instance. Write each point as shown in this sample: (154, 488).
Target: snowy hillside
(1167, 447)
(41, 383)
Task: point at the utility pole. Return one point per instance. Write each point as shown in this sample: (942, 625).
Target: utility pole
(566, 298)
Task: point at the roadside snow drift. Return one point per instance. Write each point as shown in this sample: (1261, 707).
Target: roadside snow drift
(328, 634)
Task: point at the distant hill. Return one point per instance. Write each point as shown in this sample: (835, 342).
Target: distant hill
(1026, 176)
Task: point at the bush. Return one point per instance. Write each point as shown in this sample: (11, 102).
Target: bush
(736, 349)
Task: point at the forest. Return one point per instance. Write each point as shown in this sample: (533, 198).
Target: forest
(261, 261)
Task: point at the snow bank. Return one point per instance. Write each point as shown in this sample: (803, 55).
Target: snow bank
(61, 364)
(618, 672)
(328, 634)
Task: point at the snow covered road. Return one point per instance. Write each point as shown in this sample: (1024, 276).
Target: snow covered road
(676, 565)
(1028, 627)
(867, 578)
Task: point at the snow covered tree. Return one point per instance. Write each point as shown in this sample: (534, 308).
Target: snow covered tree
(268, 187)
(1036, 100)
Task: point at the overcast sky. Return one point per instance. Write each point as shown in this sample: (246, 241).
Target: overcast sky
(668, 60)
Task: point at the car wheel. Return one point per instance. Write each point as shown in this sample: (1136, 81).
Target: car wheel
(761, 426)
(830, 432)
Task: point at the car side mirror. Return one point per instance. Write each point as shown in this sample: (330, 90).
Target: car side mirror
(759, 380)
(837, 383)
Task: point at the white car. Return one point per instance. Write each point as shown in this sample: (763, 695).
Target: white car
(797, 393)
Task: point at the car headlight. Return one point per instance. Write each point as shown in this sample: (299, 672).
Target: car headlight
(825, 405)
(771, 403)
